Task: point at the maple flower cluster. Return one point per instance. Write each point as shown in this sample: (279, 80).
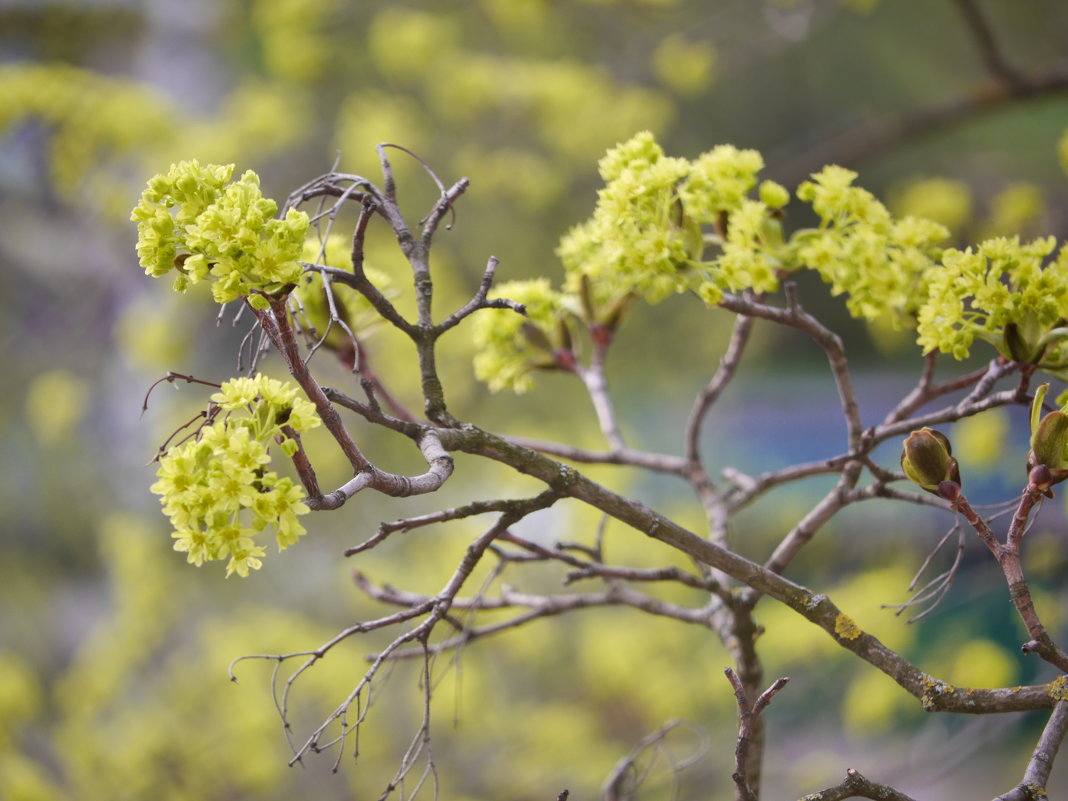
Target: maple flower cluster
(217, 488)
(665, 225)
(1005, 292)
(196, 223)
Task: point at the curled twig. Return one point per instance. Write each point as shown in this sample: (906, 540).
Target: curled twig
(170, 378)
(625, 777)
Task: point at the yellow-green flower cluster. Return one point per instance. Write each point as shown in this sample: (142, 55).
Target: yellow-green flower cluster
(635, 241)
(217, 489)
(718, 181)
(1005, 292)
(645, 236)
(509, 345)
(753, 253)
(657, 217)
(862, 251)
(192, 221)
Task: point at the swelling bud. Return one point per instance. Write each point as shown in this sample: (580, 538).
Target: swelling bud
(927, 459)
(1047, 461)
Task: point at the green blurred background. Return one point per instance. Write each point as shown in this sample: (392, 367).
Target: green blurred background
(113, 652)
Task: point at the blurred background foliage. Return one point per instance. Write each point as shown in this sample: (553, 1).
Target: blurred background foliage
(113, 653)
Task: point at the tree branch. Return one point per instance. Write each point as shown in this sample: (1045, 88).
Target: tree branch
(1033, 785)
(856, 786)
(864, 141)
(748, 714)
(989, 50)
(817, 608)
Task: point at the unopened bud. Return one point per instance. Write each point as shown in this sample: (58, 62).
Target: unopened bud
(1021, 348)
(536, 337)
(927, 460)
(1047, 462)
(1041, 479)
(1049, 441)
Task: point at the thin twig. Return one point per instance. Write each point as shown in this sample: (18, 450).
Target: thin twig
(937, 587)
(170, 378)
(856, 786)
(1032, 786)
(658, 462)
(593, 377)
(442, 516)
(1008, 557)
(480, 301)
(728, 365)
(748, 713)
(796, 317)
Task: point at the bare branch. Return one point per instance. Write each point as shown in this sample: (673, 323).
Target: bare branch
(1008, 556)
(445, 515)
(748, 715)
(812, 522)
(440, 468)
(865, 141)
(1032, 787)
(856, 786)
(363, 285)
(302, 464)
(170, 378)
(966, 408)
(480, 301)
(444, 204)
(593, 377)
(275, 322)
(728, 365)
(926, 390)
(988, 47)
(661, 463)
(433, 610)
(747, 488)
(793, 315)
(817, 608)
(539, 606)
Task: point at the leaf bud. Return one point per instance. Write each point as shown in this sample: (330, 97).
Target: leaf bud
(927, 459)
(1049, 441)
(536, 337)
(1047, 462)
(1021, 348)
(617, 310)
(1041, 479)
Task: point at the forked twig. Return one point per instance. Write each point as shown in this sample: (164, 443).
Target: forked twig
(748, 713)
